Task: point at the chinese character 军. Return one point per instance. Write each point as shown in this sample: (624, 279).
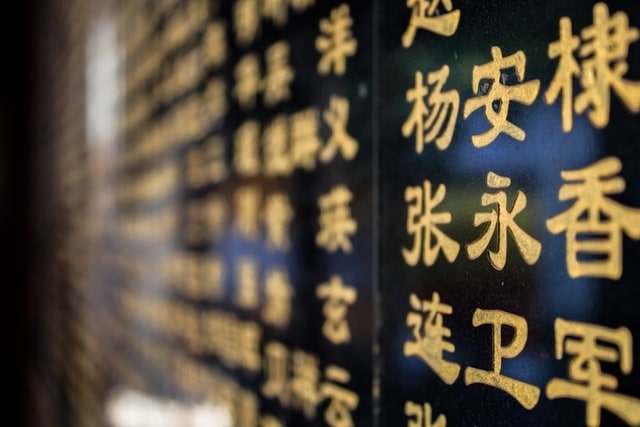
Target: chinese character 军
(423, 222)
(428, 122)
(526, 394)
(501, 94)
(338, 297)
(504, 220)
(600, 233)
(590, 345)
(336, 43)
(428, 336)
(336, 222)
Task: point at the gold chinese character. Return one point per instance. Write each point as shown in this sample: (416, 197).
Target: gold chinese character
(567, 69)
(524, 93)
(212, 274)
(423, 224)
(247, 209)
(594, 223)
(246, 283)
(343, 401)
(428, 123)
(603, 52)
(527, 395)
(215, 101)
(336, 43)
(429, 334)
(304, 383)
(278, 213)
(276, 372)
(305, 141)
(590, 345)
(215, 44)
(528, 247)
(246, 156)
(276, 10)
(278, 295)
(279, 74)
(301, 5)
(422, 414)
(270, 421)
(338, 297)
(426, 16)
(246, 21)
(248, 408)
(277, 159)
(207, 164)
(250, 335)
(336, 223)
(247, 76)
(336, 117)
(206, 219)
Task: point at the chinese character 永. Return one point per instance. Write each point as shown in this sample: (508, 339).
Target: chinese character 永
(503, 219)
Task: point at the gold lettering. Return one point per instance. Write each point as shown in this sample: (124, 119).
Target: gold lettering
(524, 93)
(336, 43)
(528, 247)
(601, 231)
(428, 336)
(422, 224)
(590, 345)
(425, 16)
(527, 395)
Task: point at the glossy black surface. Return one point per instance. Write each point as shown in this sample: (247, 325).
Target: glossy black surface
(539, 293)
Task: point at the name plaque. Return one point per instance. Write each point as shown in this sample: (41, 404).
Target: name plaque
(340, 213)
